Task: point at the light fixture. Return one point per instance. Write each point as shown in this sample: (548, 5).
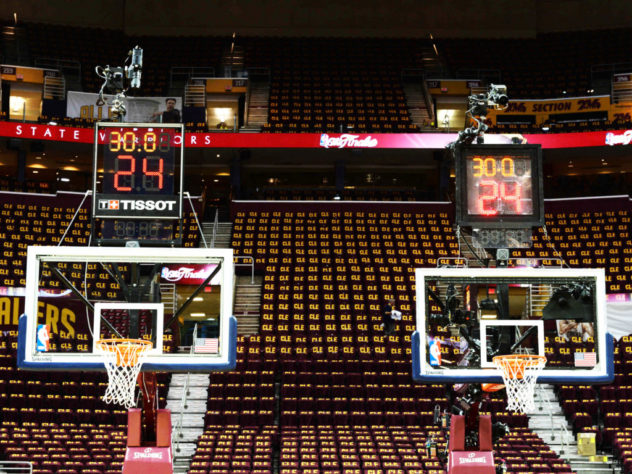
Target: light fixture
(337, 197)
(546, 127)
(223, 113)
(216, 180)
(39, 158)
(35, 171)
(17, 103)
(218, 155)
(64, 180)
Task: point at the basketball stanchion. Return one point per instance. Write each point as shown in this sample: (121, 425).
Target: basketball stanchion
(123, 359)
(520, 373)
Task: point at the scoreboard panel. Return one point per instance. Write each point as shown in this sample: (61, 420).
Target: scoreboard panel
(499, 186)
(137, 182)
(141, 167)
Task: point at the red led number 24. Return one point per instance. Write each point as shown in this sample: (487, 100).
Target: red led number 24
(492, 195)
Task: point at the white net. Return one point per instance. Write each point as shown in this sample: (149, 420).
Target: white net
(123, 359)
(520, 373)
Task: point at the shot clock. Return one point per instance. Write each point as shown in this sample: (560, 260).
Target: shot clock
(499, 186)
(137, 180)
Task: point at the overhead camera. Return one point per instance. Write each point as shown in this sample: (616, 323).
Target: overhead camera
(135, 69)
(478, 105)
(497, 96)
(114, 79)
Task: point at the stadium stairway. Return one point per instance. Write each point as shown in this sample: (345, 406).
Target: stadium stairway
(247, 306)
(416, 102)
(223, 234)
(187, 399)
(550, 424)
(257, 106)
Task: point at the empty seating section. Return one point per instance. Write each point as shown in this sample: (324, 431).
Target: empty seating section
(325, 84)
(244, 397)
(327, 271)
(160, 54)
(588, 238)
(358, 449)
(522, 450)
(235, 449)
(550, 65)
(57, 420)
(43, 220)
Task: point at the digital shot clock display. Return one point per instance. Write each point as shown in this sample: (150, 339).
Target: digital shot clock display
(137, 182)
(138, 171)
(499, 186)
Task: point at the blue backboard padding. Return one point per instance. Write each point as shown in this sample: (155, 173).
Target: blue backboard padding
(147, 367)
(608, 377)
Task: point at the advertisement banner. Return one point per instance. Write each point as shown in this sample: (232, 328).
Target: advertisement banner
(555, 106)
(404, 141)
(189, 274)
(139, 109)
(58, 316)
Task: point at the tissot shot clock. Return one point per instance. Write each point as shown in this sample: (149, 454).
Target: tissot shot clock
(499, 186)
(137, 190)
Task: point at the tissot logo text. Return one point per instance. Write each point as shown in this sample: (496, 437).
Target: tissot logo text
(137, 205)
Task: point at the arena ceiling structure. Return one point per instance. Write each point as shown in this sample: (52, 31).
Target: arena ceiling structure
(353, 18)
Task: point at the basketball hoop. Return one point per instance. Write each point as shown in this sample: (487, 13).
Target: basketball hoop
(123, 359)
(520, 372)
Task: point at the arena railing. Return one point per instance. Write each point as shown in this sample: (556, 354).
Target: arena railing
(16, 467)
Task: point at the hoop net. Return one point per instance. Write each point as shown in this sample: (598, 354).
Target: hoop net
(520, 372)
(123, 359)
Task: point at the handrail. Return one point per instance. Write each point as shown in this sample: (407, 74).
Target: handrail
(26, 468)
(563, 431)
(215, 226)
(251, 265)
(197, 222)
(72, 221)
(428, 100)
(177, 431)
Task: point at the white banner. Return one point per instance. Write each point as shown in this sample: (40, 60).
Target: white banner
(619, 318)
(139, 109)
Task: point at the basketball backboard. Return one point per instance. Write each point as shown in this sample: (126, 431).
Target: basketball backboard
(180, 299)
(466, 316)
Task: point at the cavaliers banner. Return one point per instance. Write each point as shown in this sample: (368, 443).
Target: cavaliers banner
(63, 314)
(139, 109)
